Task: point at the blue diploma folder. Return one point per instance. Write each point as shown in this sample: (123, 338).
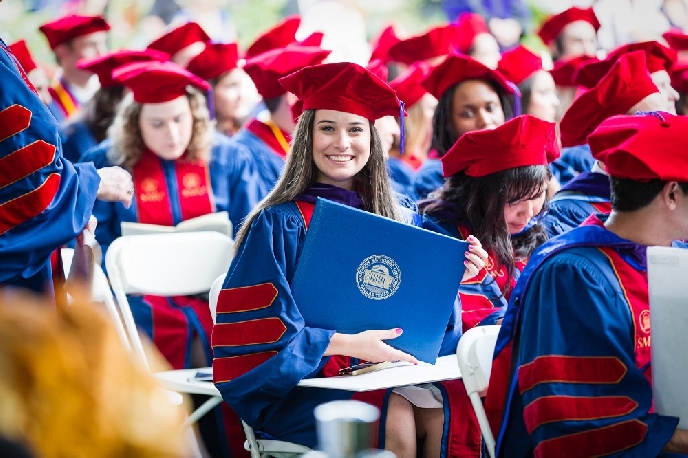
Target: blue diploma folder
(359, 271)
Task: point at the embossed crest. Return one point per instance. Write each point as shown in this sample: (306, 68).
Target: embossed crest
(378, 277)
(644, 320)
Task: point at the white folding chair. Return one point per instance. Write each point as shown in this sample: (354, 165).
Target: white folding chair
(474, 353)
(173, 264)
(257, 447)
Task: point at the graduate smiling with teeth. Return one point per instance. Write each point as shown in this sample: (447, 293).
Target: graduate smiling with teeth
(341, 147)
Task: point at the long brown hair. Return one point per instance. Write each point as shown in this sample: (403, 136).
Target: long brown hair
(127, 140)
(300, 173)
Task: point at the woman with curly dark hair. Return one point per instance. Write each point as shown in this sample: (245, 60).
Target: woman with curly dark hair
(496, 191)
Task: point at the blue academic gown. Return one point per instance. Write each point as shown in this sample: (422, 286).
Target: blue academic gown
(267, 164)
(77, 139)
(234, 180)
(567, 394)
(428, 178)
(573, 160)
(45, 201)
(586, 194)
(401, 176)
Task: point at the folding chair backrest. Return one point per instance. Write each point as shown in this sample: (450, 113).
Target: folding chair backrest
(474, 354)
(165, 265)
(215, 294)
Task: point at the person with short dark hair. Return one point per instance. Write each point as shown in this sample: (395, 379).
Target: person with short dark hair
(571, 373)
(470, 97)
(571, 33)
(73, 38)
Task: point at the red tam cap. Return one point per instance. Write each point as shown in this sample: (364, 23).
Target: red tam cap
(23, 55)
(266, 69)
(179, 38)
(379, 69)
(314, 39)
(343, 86)
(215, 60)
(565, 70)
(383, 43)
(522, 141)
(279, 36)
(553, 26)
(69, 27)
(105, 64)
(469, 26)
(457, 69)
(626, 84)
(518, 64)
(437, 41)
(157, 82)
(677, 40)
(679, 77)
(408, 85)
(658, 56)
(589, 74)
(643, 148)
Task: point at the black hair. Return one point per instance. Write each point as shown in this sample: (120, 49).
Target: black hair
(526, 89)
(631, 195)
(99, 112)
(443, 135)
(558, 47)
(273, 103)
(479, 203)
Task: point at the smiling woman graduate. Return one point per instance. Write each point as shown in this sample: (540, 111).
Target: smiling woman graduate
(261, 344)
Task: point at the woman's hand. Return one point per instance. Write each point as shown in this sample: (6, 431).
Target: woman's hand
(116, 185)
(369, 346)
(476, 258)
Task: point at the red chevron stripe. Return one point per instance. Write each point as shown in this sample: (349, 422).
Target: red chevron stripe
(23, 162)
(550, 409)
(13, 120)
(246, 298)
(251, 332)
(570, 369)
(597, 442)
(227, 369)
(23, 208)
(306, 209)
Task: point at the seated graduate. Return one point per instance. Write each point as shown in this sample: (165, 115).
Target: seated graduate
(572, 368)
(261, 344)
(470, 97)
(88, 126)
(496, 191)
(163, 135)
(625, 89)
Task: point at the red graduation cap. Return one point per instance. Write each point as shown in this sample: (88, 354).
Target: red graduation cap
(379, 69)
(343, 86)
(679, 77)
(522, 141)
(278, 36)
(215, 60)
(408, 85)
(437, 41)
(565, 70)
(658, 56)
(589, 74)
(643, 148)
(553, 26)
(627, 83)
(267, 68)
(383, 43)
(518, 64)
(157, 82)
(314, 39)
(69, 27)
(179, 38)
(105, 64)
(456, 69)
(677, 40)
(23, 55)
(469, 26)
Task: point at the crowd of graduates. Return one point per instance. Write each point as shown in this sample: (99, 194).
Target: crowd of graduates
(558, 167)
